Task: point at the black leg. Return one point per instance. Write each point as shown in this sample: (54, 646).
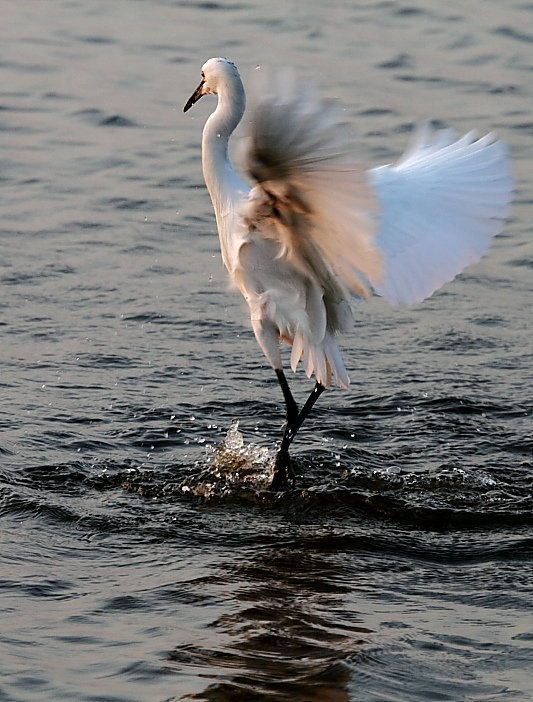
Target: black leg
(282, 465)
(313, 397)
(290, 404)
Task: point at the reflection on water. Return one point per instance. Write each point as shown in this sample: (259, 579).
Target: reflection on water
(143, 557)
(289, 639)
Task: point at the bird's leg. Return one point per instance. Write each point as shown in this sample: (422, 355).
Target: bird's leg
(313, 397)
(290, 404)
(282, 465)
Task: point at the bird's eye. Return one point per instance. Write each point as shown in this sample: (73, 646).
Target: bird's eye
(203, 74)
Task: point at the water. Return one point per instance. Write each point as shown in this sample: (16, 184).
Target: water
(142, 558)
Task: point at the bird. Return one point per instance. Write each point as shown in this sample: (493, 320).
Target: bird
(315, 232)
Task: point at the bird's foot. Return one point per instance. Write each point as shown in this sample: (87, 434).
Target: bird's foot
(283, 473)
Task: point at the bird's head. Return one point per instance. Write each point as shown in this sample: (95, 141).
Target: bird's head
(215, 72)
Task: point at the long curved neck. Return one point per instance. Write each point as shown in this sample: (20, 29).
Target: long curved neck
(220, 178)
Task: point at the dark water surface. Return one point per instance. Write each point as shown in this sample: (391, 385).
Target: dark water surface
(138, 562)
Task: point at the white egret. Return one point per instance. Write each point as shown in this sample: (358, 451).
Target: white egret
(315, 230)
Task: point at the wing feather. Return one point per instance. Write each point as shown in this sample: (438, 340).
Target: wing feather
(299, 153)
(316, 228)
(440, 207)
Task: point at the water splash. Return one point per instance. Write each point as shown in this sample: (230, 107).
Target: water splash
(233, 458)
(234, 465)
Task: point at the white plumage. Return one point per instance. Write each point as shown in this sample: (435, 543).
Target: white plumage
(440, 206)
(317, 231)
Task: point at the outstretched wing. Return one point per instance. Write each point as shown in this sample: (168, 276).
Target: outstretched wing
(300, 155)
(440, 206)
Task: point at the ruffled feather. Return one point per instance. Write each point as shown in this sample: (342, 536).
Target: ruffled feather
(300, 154)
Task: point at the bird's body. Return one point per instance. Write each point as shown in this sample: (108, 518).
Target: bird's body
(316, 231)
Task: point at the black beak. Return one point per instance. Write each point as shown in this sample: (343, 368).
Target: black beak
(194, 97)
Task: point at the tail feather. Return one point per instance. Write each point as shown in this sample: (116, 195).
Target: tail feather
(323, 359)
